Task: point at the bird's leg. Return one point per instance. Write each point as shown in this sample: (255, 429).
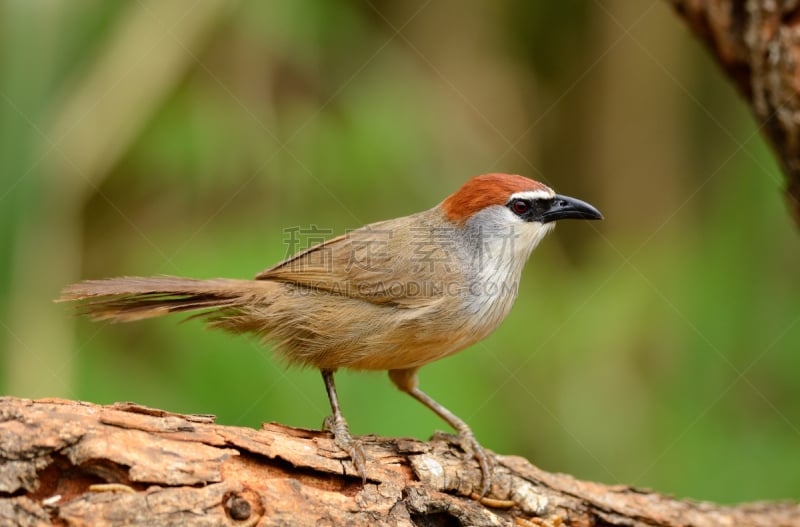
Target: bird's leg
(406, 381)
(337, 425)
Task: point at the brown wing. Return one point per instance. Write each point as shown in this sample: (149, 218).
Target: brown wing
(409, 262)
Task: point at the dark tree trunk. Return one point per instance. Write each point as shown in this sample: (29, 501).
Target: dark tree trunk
(757, 42)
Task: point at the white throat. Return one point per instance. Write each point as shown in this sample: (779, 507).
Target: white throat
(501, 244)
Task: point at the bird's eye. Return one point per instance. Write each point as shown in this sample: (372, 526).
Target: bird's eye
(520, 206)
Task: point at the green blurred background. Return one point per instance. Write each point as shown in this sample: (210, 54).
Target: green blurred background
(657, 348)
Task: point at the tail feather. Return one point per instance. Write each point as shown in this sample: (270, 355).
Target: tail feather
(132, 298)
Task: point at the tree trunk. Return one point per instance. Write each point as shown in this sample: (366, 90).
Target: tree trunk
(757, 42)
(75, 463)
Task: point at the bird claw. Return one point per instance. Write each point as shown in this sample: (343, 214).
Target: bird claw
(473, 449)
(353, 447)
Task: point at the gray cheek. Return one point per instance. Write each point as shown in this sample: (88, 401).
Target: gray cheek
(491, 223)
(496, 215)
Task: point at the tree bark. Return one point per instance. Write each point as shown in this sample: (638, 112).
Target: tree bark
(757, 42)
(74, 463)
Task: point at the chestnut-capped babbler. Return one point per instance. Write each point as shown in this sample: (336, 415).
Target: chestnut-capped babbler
(392, 295)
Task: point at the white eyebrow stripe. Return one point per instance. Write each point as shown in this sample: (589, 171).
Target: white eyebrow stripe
(533, 194)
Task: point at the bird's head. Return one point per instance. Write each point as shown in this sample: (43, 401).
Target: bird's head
(493, 204)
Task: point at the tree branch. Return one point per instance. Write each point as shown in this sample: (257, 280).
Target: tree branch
(757, 42)
(75, 463)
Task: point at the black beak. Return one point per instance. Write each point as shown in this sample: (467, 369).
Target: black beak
(564, 207)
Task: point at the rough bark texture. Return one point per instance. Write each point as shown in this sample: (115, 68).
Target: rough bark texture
(757, 42)
(74, 463)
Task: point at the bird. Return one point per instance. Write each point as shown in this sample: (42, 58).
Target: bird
(393, 295)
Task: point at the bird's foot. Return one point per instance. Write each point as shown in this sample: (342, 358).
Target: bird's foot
(466, 440)
(343, 439)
